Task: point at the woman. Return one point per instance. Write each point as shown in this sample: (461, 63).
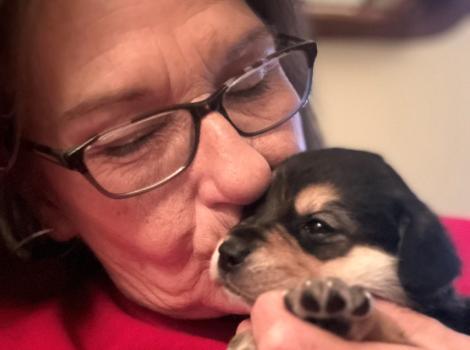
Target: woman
(146, 127)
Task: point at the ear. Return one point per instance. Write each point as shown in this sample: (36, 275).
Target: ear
(51, 217)
(266, 206)
(427, 257)
(43, 208)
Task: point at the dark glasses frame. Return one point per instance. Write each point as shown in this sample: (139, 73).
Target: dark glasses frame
(73, 159)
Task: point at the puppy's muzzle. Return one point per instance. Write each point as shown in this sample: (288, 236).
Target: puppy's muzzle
(232, 253)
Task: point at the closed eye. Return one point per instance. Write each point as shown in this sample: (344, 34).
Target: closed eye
(130, 146)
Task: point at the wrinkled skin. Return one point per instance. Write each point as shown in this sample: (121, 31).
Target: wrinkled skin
(156, 247)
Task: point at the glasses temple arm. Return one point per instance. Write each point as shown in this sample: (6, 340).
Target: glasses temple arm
(45, 152)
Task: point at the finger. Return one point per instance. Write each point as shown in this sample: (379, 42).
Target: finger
(422, 330)
(275, 328)
(244, 326)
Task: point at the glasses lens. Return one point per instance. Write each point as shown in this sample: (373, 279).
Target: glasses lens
(142, 154)
(8, 142)
(269, 94)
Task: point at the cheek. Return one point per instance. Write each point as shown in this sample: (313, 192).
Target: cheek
(142, 225)
(280, 143)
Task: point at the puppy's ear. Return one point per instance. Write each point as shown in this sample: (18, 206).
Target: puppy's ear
(427, 258)
(268, 206)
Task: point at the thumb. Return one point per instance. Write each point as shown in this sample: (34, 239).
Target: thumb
(276, 328)
(420, 329)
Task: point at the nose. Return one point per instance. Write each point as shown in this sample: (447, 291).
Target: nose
(243, 240)
(232, 253)
(232, 169)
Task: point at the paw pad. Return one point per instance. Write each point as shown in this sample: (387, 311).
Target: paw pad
(329, 299)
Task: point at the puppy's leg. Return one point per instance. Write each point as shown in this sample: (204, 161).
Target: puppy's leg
(343, 310)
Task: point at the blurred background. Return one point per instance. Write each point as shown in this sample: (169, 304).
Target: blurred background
(393, 77)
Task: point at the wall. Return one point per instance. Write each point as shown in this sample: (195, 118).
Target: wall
(408, 100)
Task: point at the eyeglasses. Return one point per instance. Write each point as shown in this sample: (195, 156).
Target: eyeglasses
(152, 149)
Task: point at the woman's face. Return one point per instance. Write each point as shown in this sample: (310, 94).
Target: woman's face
(121, 58)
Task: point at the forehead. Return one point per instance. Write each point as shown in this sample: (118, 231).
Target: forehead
(315, 179)
(84, 28)
(83, 48)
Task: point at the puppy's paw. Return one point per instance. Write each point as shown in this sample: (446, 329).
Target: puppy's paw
(333, 305)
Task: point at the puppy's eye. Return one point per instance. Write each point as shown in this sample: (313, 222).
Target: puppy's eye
(316, 227)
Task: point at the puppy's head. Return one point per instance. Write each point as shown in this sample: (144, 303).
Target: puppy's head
(338, 213)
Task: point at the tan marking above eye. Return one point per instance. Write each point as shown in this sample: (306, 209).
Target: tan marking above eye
(314, 197)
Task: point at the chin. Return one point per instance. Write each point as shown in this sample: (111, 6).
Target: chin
(232, 304)
(220, 303)
(209, 300)
(215, 301)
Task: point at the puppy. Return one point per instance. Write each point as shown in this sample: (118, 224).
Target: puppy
(338, 228)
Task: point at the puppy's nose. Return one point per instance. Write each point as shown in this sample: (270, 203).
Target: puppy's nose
(232, 253)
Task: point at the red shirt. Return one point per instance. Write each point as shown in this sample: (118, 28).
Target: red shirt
(88, 316)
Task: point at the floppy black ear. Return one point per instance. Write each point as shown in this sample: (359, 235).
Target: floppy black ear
(427, 257)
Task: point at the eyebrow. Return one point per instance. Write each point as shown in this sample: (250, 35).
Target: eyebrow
(100, 102)
(253, 36)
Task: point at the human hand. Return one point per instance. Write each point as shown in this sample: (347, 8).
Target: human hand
(274, 327)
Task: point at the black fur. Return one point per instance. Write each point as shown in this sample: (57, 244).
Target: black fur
(376, 208)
